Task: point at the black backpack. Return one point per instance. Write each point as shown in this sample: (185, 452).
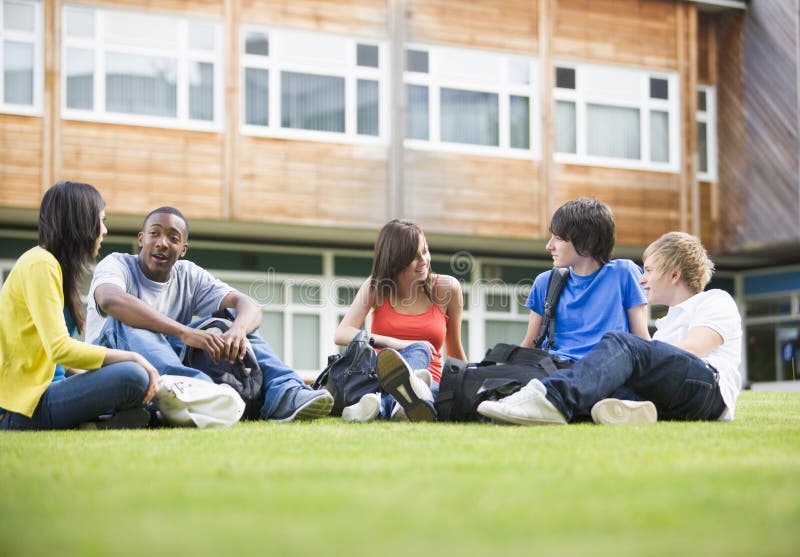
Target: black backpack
(504, 370)
(244, 376)
(350, 375)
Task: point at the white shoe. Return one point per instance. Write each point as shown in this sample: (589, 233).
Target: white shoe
(365, 410)
(528, 406)
(425, 376)
(613, 411)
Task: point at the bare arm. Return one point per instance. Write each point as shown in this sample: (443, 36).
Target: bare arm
(637, 321)
(534, 323)
(454, 309)
(248, 319)
(700, 341)
(131, 310)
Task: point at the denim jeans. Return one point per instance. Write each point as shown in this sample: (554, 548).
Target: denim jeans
(84, 397)
(164, 353)
(417, 356)
(621, 365)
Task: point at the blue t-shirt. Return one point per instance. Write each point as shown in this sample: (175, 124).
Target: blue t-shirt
(590, 306)
(72, 327)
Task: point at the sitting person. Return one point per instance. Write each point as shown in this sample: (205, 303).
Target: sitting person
(146, 302)
(42, 288)
(690, 371)
(414, 312)
(600, 295)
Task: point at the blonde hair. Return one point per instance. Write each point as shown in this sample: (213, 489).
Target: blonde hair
(679, 251)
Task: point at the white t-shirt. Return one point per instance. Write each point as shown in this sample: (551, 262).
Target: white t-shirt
(190, 292)
(716, 310)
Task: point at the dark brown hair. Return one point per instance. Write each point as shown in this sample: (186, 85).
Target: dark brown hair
(69, 225)
(396, 247)
(589, 225)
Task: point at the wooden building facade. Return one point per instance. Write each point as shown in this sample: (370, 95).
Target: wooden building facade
(298, 128)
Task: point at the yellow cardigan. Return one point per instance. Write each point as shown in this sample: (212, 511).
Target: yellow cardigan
(33, 334)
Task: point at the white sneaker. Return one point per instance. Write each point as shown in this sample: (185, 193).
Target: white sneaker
(613, 411)
(425, 375)
(365, 410)
(528, 406)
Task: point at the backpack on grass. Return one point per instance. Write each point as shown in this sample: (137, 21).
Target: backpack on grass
(350, 375)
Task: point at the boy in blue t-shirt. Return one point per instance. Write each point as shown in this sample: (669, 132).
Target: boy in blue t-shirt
(600, 295)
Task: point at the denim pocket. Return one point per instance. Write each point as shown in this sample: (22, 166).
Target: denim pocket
(693, 400)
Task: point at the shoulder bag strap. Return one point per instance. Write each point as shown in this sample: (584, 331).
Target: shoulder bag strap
(555, 285)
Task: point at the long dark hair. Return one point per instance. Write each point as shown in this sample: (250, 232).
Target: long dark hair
(69, 224)
(396, 247)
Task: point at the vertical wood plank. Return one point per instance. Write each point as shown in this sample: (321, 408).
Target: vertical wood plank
(230, 162)
(546, 182)
(51, 101)
(395, 202)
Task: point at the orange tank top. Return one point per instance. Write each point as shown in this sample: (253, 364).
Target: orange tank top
(430, 325)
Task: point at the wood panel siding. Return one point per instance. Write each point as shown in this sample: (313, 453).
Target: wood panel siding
(758, 127)
(644, 203)
(20, 161)
(138, 169)
(358, 17)
(509, 25)
(706, 49)
(631, 32)
(472, 195)
(304, 182)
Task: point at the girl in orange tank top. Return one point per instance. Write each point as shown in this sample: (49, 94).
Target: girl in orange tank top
(414, 312)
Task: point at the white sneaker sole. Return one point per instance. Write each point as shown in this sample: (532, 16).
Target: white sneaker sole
(613, 411)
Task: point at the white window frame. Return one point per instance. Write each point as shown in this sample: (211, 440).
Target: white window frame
(276, 63)
(35, 38)
(183, 57)
(504, 90)
(581, 97)
(709, 117)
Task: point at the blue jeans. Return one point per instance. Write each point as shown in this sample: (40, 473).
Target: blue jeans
(83, 397)
(621, 365)
(164, 353)
(417, 356)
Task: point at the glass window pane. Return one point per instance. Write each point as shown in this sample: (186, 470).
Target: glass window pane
(368, 107)
(520, 128)
(702, 146)
(565, 78)
(417, 61)
(201, 35)
(305, 342)
(18, 16)
(78, 22)
(18, 73)
(263, 291)
(701, 101)
(256, 95)
(612, 131)
(138, 84)
(367, 55)
(659, 88)
(416, 112)
(80, 78)
(272, 330)
(498, 302)
(257, 43)
(659, 136)
(345, 295)
(201, 91)
(465, 336)
(469, 117)
(566, 139)
(141, 29)
(505, 331)
(312, 102)
(306, 294)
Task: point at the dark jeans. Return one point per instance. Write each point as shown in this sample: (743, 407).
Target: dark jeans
(681, 385)
(84, 397)
(164, 353)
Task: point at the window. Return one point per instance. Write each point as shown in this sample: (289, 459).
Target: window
(706, 133)
(469, 101)
(612, 116)
(20, 56)
(318, 86)
(142, 68)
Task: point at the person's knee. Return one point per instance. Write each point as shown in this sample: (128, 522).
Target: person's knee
(135, 377)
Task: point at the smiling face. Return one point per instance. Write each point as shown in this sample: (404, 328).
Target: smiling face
(658, 285)
(161, 243)
(562, 251)
(419, 268)
(103, 232)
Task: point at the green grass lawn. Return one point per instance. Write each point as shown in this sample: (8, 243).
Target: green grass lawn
(386, 489)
